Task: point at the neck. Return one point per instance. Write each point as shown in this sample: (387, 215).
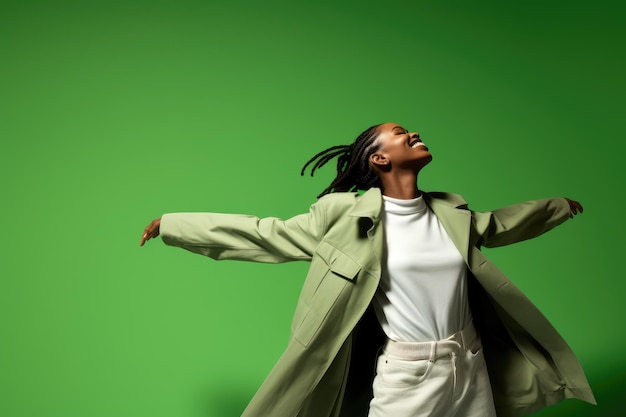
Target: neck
(403, 187)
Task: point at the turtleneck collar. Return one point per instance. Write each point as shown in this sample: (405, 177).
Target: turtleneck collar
(398, 206)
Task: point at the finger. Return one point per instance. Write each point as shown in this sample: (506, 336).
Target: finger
(574, 206)
(147, 235)
(580, 207)
(151, 231)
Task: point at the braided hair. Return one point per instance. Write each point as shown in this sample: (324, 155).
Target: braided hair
(353, 169)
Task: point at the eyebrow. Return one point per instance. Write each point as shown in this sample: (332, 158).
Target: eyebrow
(399, 127)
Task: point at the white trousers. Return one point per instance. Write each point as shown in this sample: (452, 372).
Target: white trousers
(447, 378)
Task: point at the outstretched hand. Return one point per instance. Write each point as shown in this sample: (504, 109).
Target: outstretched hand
(574, 207)
(151, 231)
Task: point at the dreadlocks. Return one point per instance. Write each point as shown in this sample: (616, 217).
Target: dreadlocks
(353, 168)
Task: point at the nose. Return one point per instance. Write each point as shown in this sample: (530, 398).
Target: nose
(414, 135)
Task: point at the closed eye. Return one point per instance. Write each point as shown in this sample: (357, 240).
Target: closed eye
(400, 130)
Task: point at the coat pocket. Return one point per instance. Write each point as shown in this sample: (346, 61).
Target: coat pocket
(338, 261)
(331, 272)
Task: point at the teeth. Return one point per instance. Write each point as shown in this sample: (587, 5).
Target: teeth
(416, 144)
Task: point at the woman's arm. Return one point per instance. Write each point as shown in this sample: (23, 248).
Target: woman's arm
(523, 221)
(242, 237)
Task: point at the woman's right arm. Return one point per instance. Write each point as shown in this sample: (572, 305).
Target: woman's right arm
(242, 237)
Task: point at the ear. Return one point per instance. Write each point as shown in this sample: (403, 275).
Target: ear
(380, 161)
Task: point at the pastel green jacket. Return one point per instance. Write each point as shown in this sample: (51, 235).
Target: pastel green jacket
(327, 367)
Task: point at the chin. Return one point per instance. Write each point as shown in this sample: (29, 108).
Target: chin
(422, 162)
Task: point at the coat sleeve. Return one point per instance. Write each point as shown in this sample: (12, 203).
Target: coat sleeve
(243, 237)
(520, 221)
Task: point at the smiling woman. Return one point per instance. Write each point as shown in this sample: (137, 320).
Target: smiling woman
(398, 271)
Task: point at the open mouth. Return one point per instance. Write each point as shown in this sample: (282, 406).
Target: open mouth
(416, 144)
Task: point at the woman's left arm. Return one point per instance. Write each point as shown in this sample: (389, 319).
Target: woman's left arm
(523, 221)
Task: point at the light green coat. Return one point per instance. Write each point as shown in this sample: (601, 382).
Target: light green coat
(530, 365)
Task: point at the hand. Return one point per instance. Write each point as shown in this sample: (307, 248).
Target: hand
(574, 207)
(151, 231)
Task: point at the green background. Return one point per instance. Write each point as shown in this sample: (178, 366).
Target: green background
(114, 113)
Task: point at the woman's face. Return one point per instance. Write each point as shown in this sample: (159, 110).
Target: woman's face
(400, 148)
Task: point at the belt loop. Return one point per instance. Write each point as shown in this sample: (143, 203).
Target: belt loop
(433, 351)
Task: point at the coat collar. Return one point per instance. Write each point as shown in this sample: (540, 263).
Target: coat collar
(369, 205)
(450, 209)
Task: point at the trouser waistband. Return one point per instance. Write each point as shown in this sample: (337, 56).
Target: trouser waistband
(464, 339)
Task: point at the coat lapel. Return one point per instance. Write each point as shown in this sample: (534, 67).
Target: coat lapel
(369, 210)
(369, 205)
(451, 210)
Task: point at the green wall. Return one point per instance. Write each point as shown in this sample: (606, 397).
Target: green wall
(114, 113)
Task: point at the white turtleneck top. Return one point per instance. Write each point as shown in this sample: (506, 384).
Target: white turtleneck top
(422, 294)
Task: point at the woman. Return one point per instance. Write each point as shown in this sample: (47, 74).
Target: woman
(430, 290)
